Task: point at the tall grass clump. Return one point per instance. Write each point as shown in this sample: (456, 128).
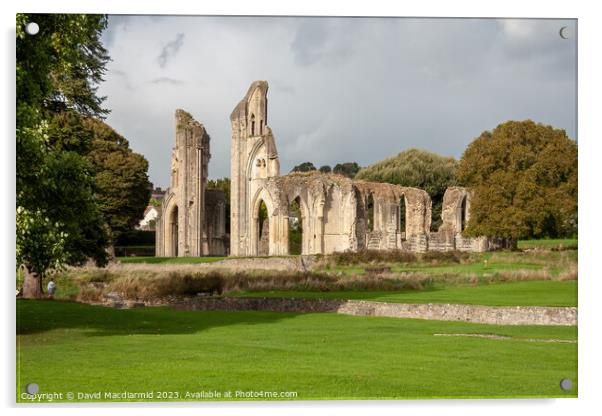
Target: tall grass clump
(173, 284)
(394, 256)
(178, 284)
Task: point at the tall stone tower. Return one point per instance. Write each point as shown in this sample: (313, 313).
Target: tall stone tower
(253, 158)
(181, 227)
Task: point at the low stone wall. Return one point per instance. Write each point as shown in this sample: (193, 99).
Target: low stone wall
(259, 304)
(508, 315)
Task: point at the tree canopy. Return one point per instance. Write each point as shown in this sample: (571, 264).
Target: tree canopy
(122, 183)
(57, 70)
(524, 178)
(304, 167)
(419, 169)
(349, 169)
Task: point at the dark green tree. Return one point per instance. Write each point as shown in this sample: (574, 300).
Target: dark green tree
(56, 70)
(524, 178)
(304, 167)
(349, 169)
(325, 169)
(122, 184)
(419, 169)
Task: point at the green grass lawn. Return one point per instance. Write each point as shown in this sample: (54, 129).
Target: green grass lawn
(70, 347)
(548, 243)
(477, 268)
(481, 264)
(169, 260)
(526, 293)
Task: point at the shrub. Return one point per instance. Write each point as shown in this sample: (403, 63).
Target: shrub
(99, 275)
(175, 284)
(188, 284)
(90, 293)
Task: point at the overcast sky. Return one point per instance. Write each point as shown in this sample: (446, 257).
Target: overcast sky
(341, 89)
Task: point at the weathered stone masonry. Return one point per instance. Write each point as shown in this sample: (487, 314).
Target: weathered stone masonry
(191, 219)
(337, 213)
(493, 315)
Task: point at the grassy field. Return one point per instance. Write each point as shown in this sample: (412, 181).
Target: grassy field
(527, 293)
(532, 278)
(548, 243)
(70, 347)
(479, 264)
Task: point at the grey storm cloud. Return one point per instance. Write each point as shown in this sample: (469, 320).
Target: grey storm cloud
(170, 49)
(341, 89)
(316, 41)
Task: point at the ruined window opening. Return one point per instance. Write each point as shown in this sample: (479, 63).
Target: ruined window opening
(174, 232)
(261, 127)
(463, 214)
(263, 233)
(370, 212)
(263, 215)
(252, 125)
(295, 227)
(402, 215)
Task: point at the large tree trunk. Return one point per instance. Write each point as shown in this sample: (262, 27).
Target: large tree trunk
(32, 284)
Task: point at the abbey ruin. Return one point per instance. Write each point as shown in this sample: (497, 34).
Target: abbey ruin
(333, 212)
(192, 218)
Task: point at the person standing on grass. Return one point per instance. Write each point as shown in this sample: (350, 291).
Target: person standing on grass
(51, 288)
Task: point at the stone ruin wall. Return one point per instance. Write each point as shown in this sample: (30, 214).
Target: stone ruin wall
(337, 213)
(215, 240)
(191, 219)
(334, 209)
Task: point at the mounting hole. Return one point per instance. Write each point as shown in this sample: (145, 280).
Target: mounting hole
(566, 384)
(32, 28)
(32, 388)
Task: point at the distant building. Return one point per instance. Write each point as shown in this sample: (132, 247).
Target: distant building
(158, 193)
(150, 217)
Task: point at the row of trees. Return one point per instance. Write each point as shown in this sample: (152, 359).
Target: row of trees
(78, 183)
(349, 169)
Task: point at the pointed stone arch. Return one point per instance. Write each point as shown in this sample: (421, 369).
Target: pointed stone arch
(170, 225)
(297, 195)
(262, 196)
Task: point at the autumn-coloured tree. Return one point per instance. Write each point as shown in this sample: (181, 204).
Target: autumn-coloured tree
(524, 178)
